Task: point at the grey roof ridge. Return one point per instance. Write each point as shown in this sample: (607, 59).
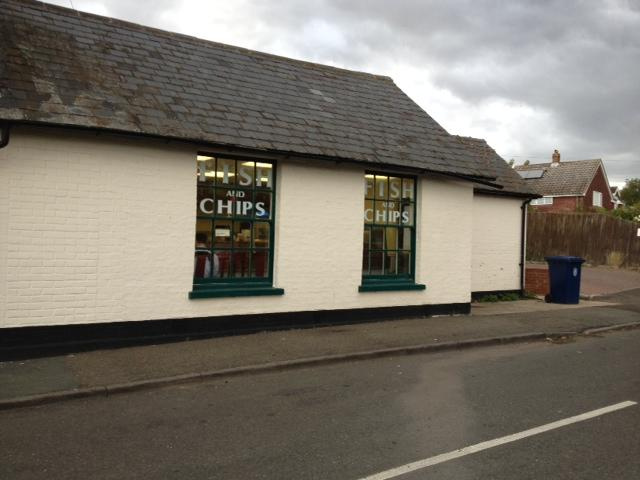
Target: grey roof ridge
(563, 161)
(158, 31)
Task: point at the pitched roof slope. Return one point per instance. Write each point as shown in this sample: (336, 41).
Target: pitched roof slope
(567, 178)
(511, 182)
(64, 67)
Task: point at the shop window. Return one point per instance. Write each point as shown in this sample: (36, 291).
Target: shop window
(388, 258)
(235, 214)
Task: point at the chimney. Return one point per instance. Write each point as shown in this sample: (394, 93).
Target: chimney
(555, 158)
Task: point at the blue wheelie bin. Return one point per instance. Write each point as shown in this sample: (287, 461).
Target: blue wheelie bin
(564, 279)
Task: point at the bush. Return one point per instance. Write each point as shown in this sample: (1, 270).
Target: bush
(500, 297)
(615, 259)
(627, 212)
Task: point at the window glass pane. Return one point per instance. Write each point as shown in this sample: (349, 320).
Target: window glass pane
(206, 169)
(243, 203)
(366, 242)
(222, 233)
(264, 175)
(203, 234)
(241, 263)
(377, 263)
(391, 239)
(368, 211)
(394, 213)
(246, 174)
(408, 188)
(395, 188)
(404, 263)
(202, 261)
(241, 234)
(226, 172)
(377, 238)
(261, 231)
(381, 187)
(260, 263)
(369, 186)
(390, 267)
(202, 264)
(262, 207)
(367, 238)
(205, 204)
(224, 202)
(404, 241)
(224, 263)
(407, 214)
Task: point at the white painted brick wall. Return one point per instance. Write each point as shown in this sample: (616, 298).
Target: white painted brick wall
(496, 243)
(99, 228)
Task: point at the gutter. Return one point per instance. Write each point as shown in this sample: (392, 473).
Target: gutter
(5, 128)
(523, 243)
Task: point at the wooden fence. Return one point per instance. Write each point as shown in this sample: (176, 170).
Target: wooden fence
(598, 238)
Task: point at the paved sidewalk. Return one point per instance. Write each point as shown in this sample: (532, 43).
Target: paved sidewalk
(606, 280)
(104, 368)
(602, 280)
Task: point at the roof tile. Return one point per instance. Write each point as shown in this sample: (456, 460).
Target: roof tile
(567, 178)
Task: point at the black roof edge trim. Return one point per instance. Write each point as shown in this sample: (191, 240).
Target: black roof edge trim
(470, 178)
(506, 193)
(204, 145)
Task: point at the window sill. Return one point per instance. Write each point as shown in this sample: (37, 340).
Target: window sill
(389, 286)
(239, 291)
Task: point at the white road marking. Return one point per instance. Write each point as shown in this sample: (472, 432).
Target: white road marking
(478, 447)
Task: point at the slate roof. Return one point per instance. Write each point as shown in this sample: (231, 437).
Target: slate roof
(568, 178)
(506, 176)
(64, 67)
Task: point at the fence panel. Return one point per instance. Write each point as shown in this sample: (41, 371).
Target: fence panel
(598, 238)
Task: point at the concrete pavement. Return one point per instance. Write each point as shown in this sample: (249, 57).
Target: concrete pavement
(105, 372)
(598, 281)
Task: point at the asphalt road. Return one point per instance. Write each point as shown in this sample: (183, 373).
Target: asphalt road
(352, 420)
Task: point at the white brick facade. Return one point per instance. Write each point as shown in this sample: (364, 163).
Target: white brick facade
(496, 243)
(100, 228)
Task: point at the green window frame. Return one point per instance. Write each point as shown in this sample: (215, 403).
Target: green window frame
(235, 216)
(389, 242)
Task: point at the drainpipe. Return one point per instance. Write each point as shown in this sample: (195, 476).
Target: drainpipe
(523, 244)
(4, 134)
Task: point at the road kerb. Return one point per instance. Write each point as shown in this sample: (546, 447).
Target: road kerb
(107, 390)
(610, 328)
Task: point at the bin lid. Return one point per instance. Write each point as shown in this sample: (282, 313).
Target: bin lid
(564, 259)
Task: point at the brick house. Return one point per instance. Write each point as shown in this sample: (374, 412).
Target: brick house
(568, 186)
(157, 184)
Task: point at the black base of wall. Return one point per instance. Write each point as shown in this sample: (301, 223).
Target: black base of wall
(475, 296)
(30, 342)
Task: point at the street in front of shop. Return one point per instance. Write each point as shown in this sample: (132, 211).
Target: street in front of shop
(564, 408)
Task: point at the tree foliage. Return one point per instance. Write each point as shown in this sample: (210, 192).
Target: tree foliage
(631, 212)
(630, 194)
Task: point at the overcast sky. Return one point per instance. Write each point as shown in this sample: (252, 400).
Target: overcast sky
(527, 76)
